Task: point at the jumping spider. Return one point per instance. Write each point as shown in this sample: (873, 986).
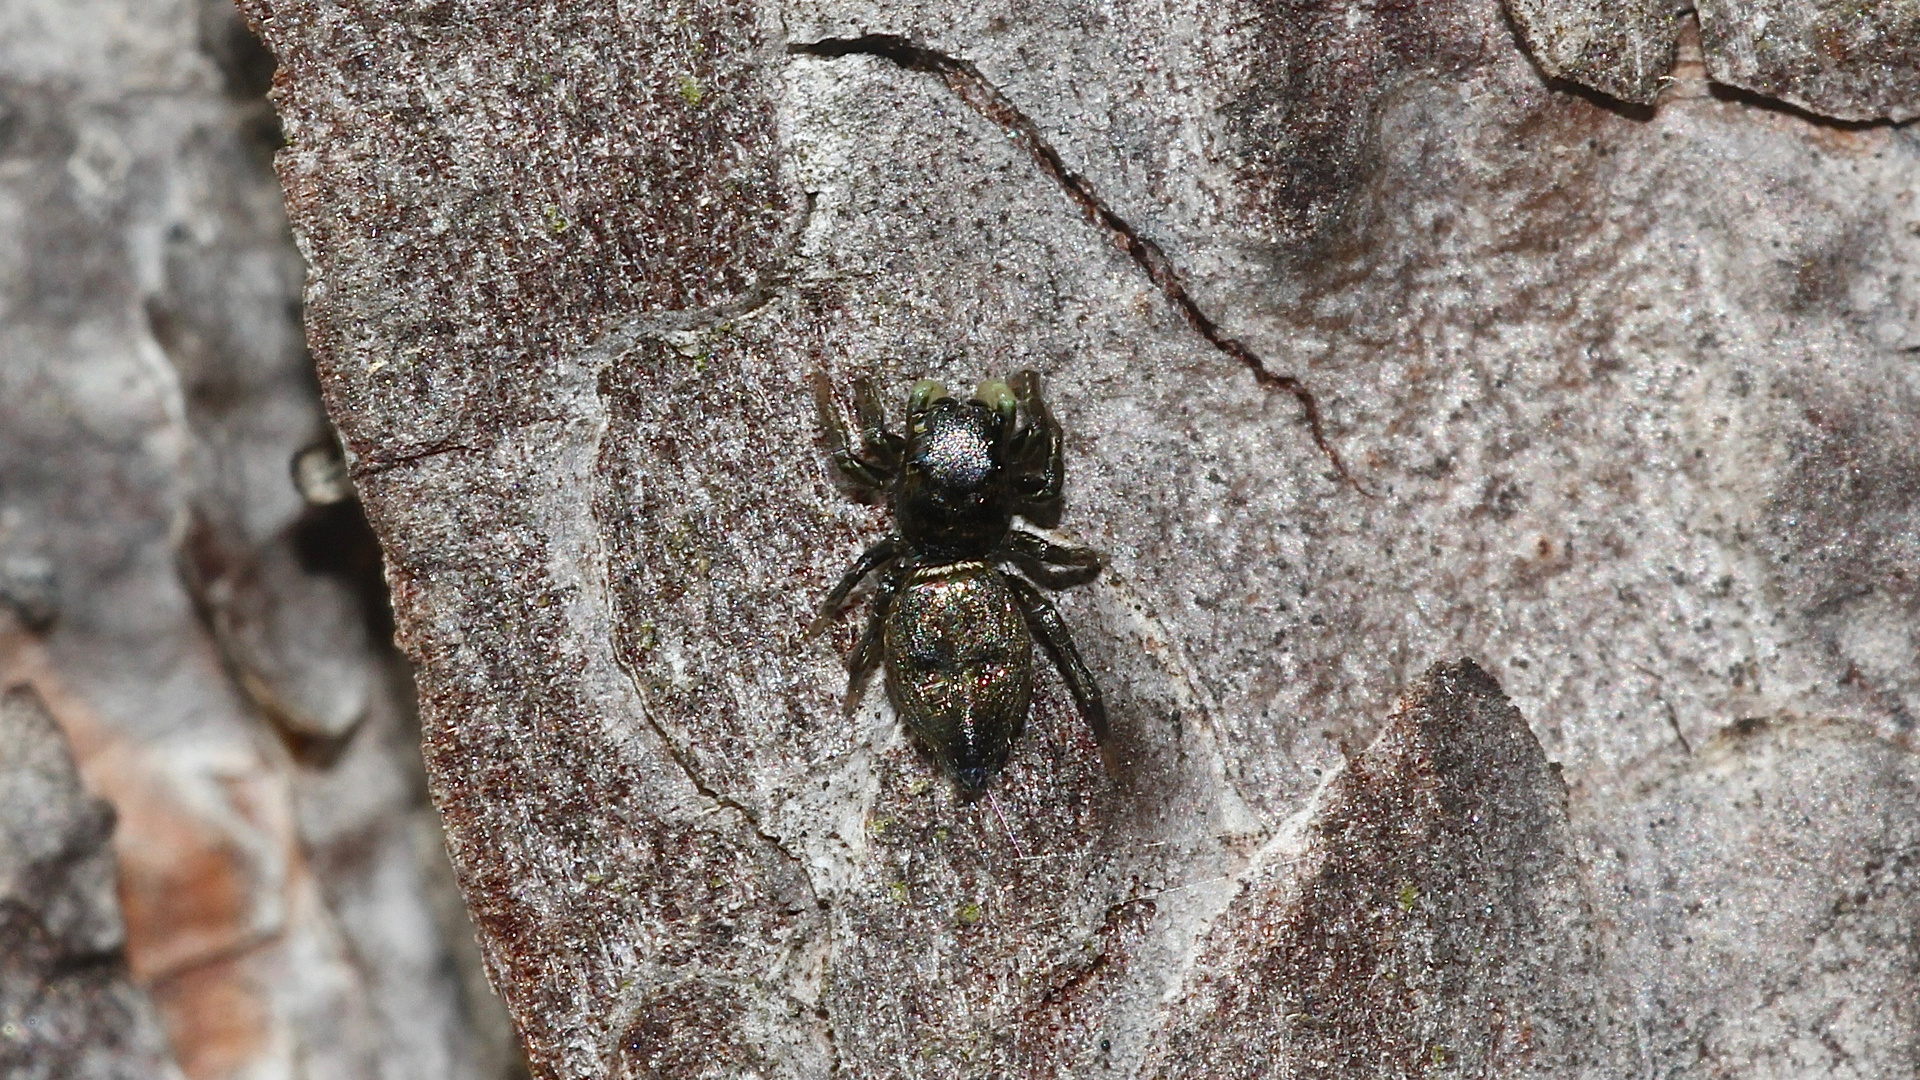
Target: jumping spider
(954, 629)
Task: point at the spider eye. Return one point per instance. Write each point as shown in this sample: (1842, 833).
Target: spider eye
(924, 393)
(998, 396)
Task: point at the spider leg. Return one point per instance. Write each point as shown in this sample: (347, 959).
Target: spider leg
(1038, 556)
(870, 560)
(1036, 450)
(1045, 623)
(866, 654)
(880, 442)
(861, 471)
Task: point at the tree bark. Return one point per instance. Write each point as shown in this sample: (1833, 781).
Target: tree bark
(1375, 349)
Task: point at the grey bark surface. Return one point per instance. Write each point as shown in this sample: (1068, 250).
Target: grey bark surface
(207, 642)
(1839, 60)
(68, 1008)
(1850, 61)
(1625, 51)
(1373, 349)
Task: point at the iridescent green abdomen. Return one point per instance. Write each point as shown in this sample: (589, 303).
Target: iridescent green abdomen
(959, 662)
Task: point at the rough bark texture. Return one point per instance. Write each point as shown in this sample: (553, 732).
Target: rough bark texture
(1623, 50)
(1372, 348)
(211, 645)
(1843, 59)
(68, 1010)
(1428, 916)
(1840, 58)
(1765, 893)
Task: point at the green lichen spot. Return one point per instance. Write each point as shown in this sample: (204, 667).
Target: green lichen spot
(557, 221)
(971, 913)
(898, 891)
(1409, 896)
(690, 91)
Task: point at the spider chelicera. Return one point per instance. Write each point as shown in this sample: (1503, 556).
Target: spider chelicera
(954, 628)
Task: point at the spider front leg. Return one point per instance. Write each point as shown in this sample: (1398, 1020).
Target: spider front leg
(866, 655)
(870, 560)
(880, 442)
(867, 474)
(1036, 450)
(1052, 634)
(1038, 556)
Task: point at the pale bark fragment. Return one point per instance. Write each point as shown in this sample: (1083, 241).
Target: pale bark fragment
(1833, 58)
(1622, 48)
(69, 1009)
(1846, 59)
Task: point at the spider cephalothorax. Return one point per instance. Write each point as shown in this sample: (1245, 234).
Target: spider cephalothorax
(953, 627)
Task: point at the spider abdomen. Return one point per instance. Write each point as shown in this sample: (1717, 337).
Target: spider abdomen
(959, 660)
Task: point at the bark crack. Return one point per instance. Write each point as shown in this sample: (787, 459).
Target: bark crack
(595, 579)
(679, 755)
(764, 290)
(682, 758)
(363, 468)
(965, 81)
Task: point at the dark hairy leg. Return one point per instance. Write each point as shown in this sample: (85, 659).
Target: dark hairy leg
(880, 443)
(1046, 625)
(865, 473)
(870, 560)
(866, 654)
(1038, 557)
(1037, 452)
